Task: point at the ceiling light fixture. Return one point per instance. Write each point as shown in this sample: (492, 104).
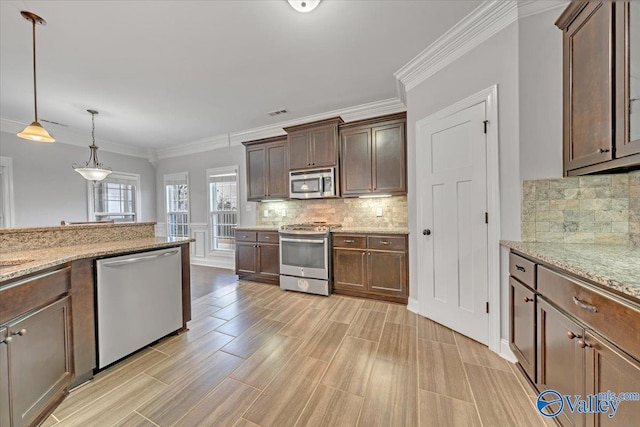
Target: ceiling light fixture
(95, 172)
(35, 131)
(304, 6)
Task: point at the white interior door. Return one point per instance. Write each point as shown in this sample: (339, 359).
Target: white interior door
(452, 195)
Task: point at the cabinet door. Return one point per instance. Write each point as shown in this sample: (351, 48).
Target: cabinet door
(355, 170)
(389, 159)
(627, 78)
(269, 256)
(246, 258)
(277, 171)
(522, 326)
(40, 360)
(560, 358)
(611, 370)
(588, 87)
(299, 150)
(387, 272)
(324, 146)
(5, 420)
(256, 173)
(349, 269)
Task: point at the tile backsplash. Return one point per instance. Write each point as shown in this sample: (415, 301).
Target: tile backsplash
(586, 209)
(350, 212)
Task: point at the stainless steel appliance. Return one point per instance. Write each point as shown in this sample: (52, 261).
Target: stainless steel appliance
(313, 184)
(139, 300)
(305, 259)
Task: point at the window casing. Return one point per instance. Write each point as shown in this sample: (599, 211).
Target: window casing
(223, 207)
(176, 191)
(117, 198)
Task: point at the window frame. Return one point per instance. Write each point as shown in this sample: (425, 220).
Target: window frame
(221, 171)
(8, 200)
(91, 214)
(176, 176)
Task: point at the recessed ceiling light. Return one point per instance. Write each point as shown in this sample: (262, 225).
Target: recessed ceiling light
(304, 6)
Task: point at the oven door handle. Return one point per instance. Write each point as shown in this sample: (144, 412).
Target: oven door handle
(319, 241)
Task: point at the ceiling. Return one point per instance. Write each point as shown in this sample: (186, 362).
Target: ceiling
(166, 73)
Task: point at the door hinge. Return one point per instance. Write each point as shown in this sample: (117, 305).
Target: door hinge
(487, 308)
(486, 217)
(486, 122)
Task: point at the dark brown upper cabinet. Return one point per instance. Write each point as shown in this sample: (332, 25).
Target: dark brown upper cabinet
(313, 145)
(373, 156)
(601, 131)
(267, 168)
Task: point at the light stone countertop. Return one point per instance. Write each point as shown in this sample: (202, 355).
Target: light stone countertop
(257, 228)
(613, 267)
(95, 225)
(41, 259)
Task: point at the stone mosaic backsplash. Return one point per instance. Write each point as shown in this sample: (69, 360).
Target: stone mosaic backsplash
(588, 209)
(350, 212)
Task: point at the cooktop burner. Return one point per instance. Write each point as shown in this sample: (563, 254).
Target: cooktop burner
(311, 226)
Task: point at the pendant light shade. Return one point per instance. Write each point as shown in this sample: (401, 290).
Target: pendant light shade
(304, 6)
(35, 131)
(93, 170)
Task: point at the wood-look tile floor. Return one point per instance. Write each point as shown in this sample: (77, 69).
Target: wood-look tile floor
(255, 355)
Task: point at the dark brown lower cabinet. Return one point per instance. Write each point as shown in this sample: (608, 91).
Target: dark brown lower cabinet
(611, 370)
(522, 326)
(5, 419)
(38, 361)
(258, 256)
(560, 357)
(372, 266)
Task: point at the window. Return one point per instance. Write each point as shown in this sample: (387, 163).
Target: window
(223, 207)
(117, 198)
(7, 215)
(176, 190)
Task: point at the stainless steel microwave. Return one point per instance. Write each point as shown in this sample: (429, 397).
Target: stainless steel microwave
(312, 184)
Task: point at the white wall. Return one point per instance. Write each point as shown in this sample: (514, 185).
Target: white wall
(47, 189)
(540, 47)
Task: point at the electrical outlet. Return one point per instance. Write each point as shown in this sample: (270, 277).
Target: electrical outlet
(378, 211)
(265, 213)
(284, 213)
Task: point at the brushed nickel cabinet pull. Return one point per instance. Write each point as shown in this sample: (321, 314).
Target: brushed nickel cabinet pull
(584, 305)
(349, 241)
(520, 268)
(384, 242)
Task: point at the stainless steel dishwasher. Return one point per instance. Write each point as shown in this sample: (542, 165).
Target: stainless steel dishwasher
(138, 299)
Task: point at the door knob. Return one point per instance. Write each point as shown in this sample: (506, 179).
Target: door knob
(426, 232)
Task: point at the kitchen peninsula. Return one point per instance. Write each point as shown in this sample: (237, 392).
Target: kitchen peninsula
(48, 299)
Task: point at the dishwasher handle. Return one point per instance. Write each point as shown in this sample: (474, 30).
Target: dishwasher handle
(138, 259)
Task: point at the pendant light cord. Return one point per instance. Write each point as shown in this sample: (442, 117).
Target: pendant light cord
(35, 90)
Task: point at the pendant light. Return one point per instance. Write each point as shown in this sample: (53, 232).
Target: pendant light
(304, 6)
(93, 170)
(35, 131)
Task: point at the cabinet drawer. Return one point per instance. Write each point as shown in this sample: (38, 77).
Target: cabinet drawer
(387, 243)
(357, 242)
(522, 269)
(268, 237)
(25, 295)
(246, 236)
(616, 320)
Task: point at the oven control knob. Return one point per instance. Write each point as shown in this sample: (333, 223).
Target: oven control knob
(303, 284)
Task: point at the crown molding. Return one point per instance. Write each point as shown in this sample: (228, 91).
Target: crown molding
(67, 137)
(358, 112)
(530, 7)
(478, 26)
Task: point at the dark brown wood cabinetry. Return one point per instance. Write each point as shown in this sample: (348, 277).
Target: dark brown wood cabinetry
(36, 318)
(258, 256)
(522, 325)
(313, 145)
(373, 156)
(599, 129)
(371, 266)
(267, 168)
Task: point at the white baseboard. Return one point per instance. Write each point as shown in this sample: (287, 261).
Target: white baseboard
(412, 305)
(228, 264)
(505, 351)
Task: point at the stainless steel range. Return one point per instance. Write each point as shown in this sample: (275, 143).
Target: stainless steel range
(305, 258)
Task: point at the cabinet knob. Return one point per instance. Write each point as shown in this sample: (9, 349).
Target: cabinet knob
(21, 332)
(7, 340)
(583, 344)
(603, 150)
(426, 232)
(571, 335)
(527, 299)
